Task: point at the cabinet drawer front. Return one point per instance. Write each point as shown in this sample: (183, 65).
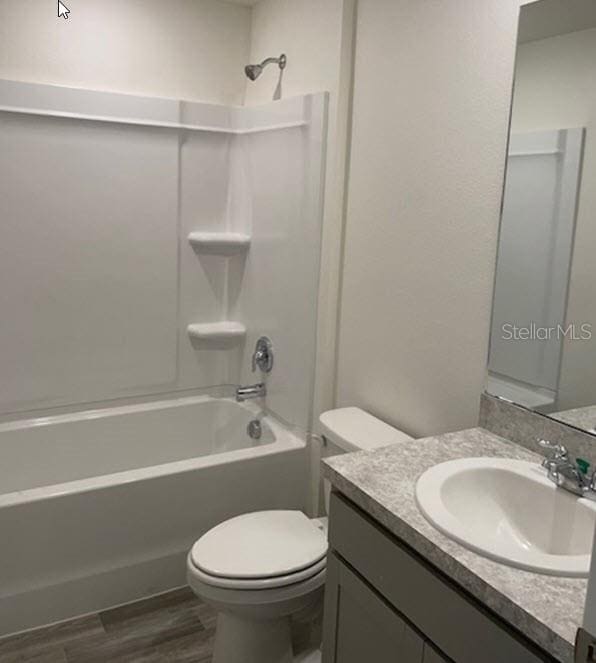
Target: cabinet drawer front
(456, 625)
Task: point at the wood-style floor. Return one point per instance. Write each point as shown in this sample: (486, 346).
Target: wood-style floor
(170, 628)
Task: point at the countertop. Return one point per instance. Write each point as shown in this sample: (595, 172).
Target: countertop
(546, 609)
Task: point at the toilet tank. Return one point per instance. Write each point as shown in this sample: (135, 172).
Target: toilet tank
(351, 429)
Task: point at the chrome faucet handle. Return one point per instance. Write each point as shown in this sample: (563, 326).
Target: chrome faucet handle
(557, 451)
(257, 358)
(263, 355)
(556, 455)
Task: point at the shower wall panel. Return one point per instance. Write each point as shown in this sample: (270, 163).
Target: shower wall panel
(98, 194)
(88, 260)
(278, 296)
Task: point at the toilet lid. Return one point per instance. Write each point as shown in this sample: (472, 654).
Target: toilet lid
(264, 544)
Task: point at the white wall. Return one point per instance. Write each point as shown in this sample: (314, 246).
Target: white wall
(555, 89)
(100, 281)
(431, 108)
(274, 292)
(317, 38)
(67, 283)
(186, 49)
(197, 49)
(309, 33)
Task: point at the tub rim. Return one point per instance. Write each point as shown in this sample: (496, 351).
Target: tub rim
(286, 439)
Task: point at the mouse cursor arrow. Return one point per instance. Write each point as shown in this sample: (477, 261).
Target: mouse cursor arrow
(63, 10)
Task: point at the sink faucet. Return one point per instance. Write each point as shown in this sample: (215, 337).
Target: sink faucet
(566, 473)
(258, 390)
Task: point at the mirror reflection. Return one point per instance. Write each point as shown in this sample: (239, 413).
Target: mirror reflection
(543, 335)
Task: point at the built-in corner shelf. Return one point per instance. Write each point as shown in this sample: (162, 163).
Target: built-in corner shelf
(221, 244)
(217, 331)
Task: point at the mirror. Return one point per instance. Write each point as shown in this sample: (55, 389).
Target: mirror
(543, 333)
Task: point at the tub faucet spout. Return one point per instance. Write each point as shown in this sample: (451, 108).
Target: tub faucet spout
(251, 391)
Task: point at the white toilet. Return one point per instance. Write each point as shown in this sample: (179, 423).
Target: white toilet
(260, 569)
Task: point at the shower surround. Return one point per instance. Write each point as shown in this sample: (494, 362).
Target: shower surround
(127, 222)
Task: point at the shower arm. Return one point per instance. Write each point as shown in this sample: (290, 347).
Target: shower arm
(281, 61)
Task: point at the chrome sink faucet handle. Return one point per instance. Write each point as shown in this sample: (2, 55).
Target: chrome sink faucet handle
(557, 463)
(557, 455)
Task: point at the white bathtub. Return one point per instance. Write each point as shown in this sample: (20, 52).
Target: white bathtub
(100, 507)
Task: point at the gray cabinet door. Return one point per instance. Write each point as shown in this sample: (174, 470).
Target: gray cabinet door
(360, 626)
(452, 620)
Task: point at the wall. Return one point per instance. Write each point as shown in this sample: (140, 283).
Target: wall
(277, 284)
(88, 260)
(185, 49)
(556, 89)
(100, 279)
(430, 113)
(317, 38)
(309, 33)
(154, 48)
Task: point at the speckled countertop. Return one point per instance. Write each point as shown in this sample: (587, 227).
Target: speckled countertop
(546, 609)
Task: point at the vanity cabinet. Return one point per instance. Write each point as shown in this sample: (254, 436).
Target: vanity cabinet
(386, 604)
(361, 611)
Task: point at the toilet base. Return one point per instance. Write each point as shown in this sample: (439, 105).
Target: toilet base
(254, 625)
(241, 640)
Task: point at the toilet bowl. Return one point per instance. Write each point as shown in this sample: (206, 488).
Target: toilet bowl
(258, 570)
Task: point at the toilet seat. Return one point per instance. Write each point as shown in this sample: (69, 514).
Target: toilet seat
(264, 549)
(267, 600)
(259, 583)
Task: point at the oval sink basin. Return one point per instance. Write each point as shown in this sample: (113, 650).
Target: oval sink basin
(509, 511)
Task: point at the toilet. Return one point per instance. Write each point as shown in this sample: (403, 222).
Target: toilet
(261, 569)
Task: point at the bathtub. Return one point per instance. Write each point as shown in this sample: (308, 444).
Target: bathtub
(100, 507)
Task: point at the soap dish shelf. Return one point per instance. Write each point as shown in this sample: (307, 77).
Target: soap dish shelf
(217, 332)
(222, 244)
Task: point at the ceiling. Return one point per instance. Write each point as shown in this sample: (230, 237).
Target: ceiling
(549, 18)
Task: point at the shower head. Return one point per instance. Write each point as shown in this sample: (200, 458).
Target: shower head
(253, 71)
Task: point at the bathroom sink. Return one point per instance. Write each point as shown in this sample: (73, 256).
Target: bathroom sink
(509, 511)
